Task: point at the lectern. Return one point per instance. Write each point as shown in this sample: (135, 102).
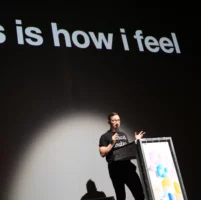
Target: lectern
(158, 167)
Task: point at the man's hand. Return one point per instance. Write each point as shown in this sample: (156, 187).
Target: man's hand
(114, 138)
(140, 135)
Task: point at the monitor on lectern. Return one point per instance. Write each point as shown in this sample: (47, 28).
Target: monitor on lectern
(160, 169)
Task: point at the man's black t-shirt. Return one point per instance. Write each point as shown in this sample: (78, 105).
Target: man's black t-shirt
(106, 139)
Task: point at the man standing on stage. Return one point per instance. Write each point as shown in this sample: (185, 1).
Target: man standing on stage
(121, 172)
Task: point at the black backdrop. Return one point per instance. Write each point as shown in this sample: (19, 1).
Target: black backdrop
(157, 91)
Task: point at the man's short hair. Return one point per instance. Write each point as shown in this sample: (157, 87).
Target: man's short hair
(112, 114)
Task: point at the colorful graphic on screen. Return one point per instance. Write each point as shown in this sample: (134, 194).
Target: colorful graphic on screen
(162, 172)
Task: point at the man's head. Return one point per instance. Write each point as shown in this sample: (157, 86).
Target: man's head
(91, 187)
(114, 120)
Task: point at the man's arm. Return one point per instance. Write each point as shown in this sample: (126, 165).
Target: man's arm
(105, 150)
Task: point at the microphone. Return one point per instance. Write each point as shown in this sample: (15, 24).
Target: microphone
(117, 128)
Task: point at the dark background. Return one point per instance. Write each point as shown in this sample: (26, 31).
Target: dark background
(159, 92)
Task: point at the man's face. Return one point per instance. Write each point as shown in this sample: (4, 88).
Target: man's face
(114, 121)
